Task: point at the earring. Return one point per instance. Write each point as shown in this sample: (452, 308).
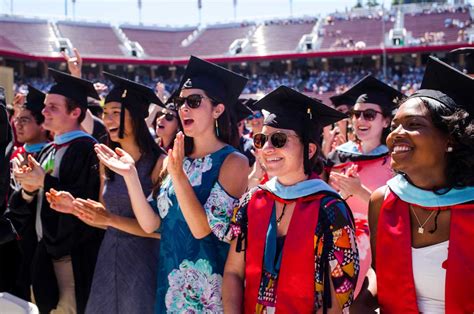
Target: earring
(449, 149)
(217, 128)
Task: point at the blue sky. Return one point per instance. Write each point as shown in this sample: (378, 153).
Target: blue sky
(169, 12)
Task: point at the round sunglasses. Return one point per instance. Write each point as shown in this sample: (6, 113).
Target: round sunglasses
(368, 114)
(193, 101)
(256, 115)
(278, 139)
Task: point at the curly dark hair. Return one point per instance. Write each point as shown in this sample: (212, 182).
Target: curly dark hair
(458, 124)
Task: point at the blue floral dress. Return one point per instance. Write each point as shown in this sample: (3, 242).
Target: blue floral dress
(190, 270)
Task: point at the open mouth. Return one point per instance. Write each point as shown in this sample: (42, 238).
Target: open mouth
(273, 160)
(161, 126)
(113, 130)
(188, 122)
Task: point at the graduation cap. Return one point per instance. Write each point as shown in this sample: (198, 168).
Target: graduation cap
(343, 99)
(169, 104)
(72, 87)
(219, 83)
(447, 85)
(241, 110)
(371, 90)
(250, 103)
(34, 100)
(132, 96)
(292, 110)
(468, 53)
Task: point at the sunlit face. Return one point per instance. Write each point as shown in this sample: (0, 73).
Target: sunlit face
(415, 143)
(111, 118)
(369, 130)
(56, 116)
(198, 121)
(284, 161)
(256, 121)
(27, 129)
(166, 123)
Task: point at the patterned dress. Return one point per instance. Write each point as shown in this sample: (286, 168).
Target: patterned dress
(334, 245)
(190, 270)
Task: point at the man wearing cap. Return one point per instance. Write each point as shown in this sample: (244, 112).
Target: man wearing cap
(67, 250)
(16, 276)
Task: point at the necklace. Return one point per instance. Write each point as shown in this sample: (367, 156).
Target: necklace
(282, 214)
(421, 230)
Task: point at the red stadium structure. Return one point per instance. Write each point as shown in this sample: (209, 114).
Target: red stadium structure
(405, 32)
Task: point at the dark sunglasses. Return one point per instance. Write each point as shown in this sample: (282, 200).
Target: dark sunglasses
(256, 115)
(193, 101)
(278, 139)
(168, 116)
(368, 114)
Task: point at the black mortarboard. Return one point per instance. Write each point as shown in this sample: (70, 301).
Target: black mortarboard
(133, 96)
(468, 53)
(34, 100)
(219, 83)
(371, 90)
(250, 103)
(241, 111)
(292, 110)
(72, 87)
(447, 85)
(169, 104)
(343, 99)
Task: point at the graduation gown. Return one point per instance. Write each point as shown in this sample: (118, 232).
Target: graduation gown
(76, 171)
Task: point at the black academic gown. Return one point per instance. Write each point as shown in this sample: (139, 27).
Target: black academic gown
(64, 234)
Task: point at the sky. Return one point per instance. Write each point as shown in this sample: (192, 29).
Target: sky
(173, 12)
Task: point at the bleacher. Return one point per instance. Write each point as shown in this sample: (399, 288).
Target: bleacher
(215, 41)
(419, 24)
(365, 30)
(31, 37)
(92, 39)
(277, 38)
(158, 42)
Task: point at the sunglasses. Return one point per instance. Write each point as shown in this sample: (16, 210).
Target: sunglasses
(193, 101)
(256, 115)
(278, 139)
(368, 114)
(168, 116)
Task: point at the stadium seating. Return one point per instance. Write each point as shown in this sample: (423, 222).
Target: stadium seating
(420, 24)
(215, 41)
(158, 42)
(277, 38)
(344, 34)
(26, 36)
(92, 39)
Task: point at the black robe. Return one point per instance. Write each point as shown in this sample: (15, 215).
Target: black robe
(64, 234)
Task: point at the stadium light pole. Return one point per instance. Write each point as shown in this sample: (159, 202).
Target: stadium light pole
(139, 12)
(65, 8)
(73, 9)
(384, 52)
(11, 7)
(291, 8)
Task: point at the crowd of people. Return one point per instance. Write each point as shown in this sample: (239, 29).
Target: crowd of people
(202, 201)
(405, 78)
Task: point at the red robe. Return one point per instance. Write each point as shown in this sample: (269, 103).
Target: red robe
(395, 283)
(295, 292)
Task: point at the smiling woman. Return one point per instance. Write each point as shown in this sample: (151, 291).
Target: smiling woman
(285, 234)
(422, 224)
(358, 168)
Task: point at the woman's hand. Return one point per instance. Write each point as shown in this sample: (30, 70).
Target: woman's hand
(348, 184)
(91, 212)
(176, 157)
(258, 169)
(119, 161)
(60, 201)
